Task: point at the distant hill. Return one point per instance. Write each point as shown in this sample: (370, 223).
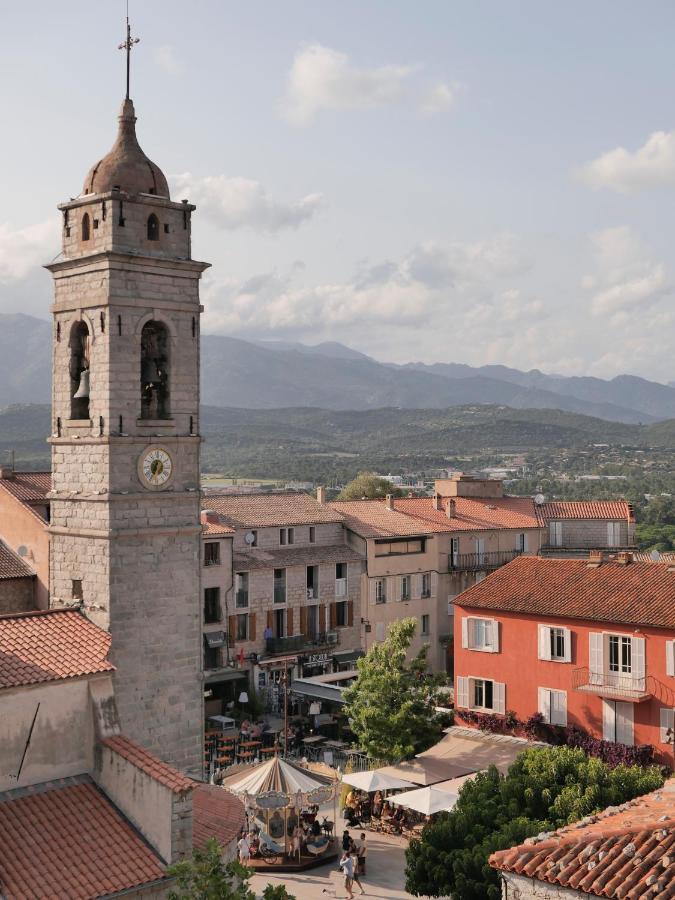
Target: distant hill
(318, 444)
(280, 374)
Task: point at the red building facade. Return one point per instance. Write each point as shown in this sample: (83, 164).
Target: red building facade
(583, 642)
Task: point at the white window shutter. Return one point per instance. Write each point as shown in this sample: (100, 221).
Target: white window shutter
(595, 656)
(465, 632)
(416, 587)
(545, 703)
(638, 662)
(624, 723)
(434, 583)
(559, 711)
(462, 692)
(670, 658)
(393, 585)
(372, 590)
(499, 697)
(544, 642)
(667, 722)
(494, 635)
(568, 645)
(608, 721)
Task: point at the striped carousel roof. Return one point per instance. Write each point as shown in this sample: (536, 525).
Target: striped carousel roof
(275, 774)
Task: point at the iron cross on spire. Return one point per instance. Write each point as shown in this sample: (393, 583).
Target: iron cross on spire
(127, 45)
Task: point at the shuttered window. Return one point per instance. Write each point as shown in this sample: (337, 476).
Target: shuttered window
(667, 726)
(553, 706)
(555, 643)
(480, 634)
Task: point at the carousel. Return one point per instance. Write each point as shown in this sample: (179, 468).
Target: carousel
(282, 802)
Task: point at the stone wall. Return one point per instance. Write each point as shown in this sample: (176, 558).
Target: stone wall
(17, 594)
(518, 887)
(593, 533)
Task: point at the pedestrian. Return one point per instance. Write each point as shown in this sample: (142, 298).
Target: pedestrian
(244, 848)
(355, 876)
(347, 866)
(361, 852)
(346, 841)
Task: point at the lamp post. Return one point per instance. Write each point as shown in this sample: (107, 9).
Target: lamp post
(284, 682)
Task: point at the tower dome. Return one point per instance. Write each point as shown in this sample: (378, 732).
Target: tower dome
(126, 167)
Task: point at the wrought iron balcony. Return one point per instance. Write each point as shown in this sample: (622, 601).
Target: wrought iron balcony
(481, 562)
(614, 685)
(298, 642)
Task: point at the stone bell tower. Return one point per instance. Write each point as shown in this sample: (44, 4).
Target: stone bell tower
(125, 532)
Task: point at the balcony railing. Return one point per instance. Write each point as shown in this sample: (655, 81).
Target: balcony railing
(614, 685)
(481, 562)
(297, 642)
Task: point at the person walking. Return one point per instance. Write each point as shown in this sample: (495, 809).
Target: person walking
(355, 875)
(361, 853)
(347, 865)
(244, 848)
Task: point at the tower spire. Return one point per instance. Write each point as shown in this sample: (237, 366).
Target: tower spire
(127, 45)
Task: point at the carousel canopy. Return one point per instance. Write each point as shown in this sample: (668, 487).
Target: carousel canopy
(375, 780)
(275, 774)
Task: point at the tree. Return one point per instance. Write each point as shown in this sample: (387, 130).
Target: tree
(390, 706)
(368, 486)
(545, 788)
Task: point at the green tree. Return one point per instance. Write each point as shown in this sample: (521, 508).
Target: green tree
(206, 877)
(276, 892)
(545, 788)
(390, 706)
(368, 486)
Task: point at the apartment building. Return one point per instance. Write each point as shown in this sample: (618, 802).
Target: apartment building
(587, 642)
(577, 526)
(293, 607)
(24, 516)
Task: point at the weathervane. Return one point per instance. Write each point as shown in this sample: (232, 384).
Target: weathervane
(127, 45)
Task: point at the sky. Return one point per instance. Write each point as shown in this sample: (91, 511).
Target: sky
(489, 181)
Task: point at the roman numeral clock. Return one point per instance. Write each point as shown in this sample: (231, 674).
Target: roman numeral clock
(155, 468)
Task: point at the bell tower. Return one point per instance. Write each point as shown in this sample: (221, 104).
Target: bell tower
(125, 530)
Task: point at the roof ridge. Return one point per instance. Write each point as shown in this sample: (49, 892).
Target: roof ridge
(43, 612)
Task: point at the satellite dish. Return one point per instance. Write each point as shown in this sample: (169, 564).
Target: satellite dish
(22, 551)
(249, 537)
(539, 499)
(655, 556)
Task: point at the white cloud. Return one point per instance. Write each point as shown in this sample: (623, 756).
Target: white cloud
(240, 202)
(650, 166)
(165, 57)
(438, 99)
(627, 281)
(27, 248)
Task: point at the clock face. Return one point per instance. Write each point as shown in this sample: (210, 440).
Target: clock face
(155, 468)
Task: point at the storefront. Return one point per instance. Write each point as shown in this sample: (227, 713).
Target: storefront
(316, 664)
(270, 677)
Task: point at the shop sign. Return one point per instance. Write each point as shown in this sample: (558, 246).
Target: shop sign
(317, 659)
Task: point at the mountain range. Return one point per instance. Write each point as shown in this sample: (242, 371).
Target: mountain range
(280, 374)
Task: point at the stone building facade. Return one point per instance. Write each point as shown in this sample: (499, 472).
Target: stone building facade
(124, 530)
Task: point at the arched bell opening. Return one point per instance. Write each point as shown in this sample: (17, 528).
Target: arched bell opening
(86, 227)
(80, 358)
(153, 227)
(155, 371)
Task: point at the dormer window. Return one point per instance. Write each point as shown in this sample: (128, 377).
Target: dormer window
(153, 227)
(85, 227)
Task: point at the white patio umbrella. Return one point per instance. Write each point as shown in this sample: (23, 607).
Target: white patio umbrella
(374, 781)
(427, 800)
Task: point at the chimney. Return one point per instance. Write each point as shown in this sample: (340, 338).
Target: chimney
(209, 517)
(595, 558)
(390, 501)
(7, 468)
(623, 558)
(451, 508)
(438, 502)
(321, 495)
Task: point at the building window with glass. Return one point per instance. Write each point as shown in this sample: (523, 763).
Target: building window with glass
(241, 590)
(425, 625)
(211, 605)
(341, 614)
(212, 553)
(242, 627)
(280, 585)
(380, 591)
(482, 694)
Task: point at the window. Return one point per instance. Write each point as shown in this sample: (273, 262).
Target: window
(79, 371)
(254, 538)
(482, 694)
(85, 227)
(399, 547)
(312, 534)
(620, 654)
(212, 553)
(279, 623)
(153, 227)
(426, 585)
(312, 622)
(242, 627)
(76, 589)
(617, 722)
(480, 634)
(555, 643)
(613, 534)
(341, 614)
(241, 590)
(667, 725)
(454, 552)
(617, 660)
(340, 579)
(670, 658)
(211, 657)
(280, 585)
(340, 570)
(286, 536)
(211, 605)
(312, 582)
(425, 625)
(155, 371)
(553, 706)
(380, 590)
(405, 587)
(521, 543)
(555, 535)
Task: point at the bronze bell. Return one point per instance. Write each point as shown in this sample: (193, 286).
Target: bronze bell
(82, 392)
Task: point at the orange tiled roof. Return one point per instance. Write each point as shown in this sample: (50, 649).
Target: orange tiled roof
(626, 852)
(29, 487)
(11, 565)
(216, 813)
(373, 519)
(269, 510)
(640, 593)
(50, 645)
(215, 529)
(69, 842)
(151, 765)
(473, 514)
(586, 509)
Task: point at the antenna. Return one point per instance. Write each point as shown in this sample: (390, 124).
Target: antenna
(127, 45)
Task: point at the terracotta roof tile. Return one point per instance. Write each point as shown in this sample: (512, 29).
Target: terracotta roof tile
(268, 510)
(12, 566)
(639, 593)
(473, 514)
(373, 519)
(216, 813)
(260, 558)
(69, 842)
(211, 529)
(145, 761)
(586, 509)
(29, 487)
(50, 645)
(626, 852)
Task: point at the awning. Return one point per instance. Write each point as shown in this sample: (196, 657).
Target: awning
(470, 753)
(219, 675)
(343, 656)
(215, 639)
(279, 662)
(428, 771)
(433, 799)
(374, 780)
(312, 687)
